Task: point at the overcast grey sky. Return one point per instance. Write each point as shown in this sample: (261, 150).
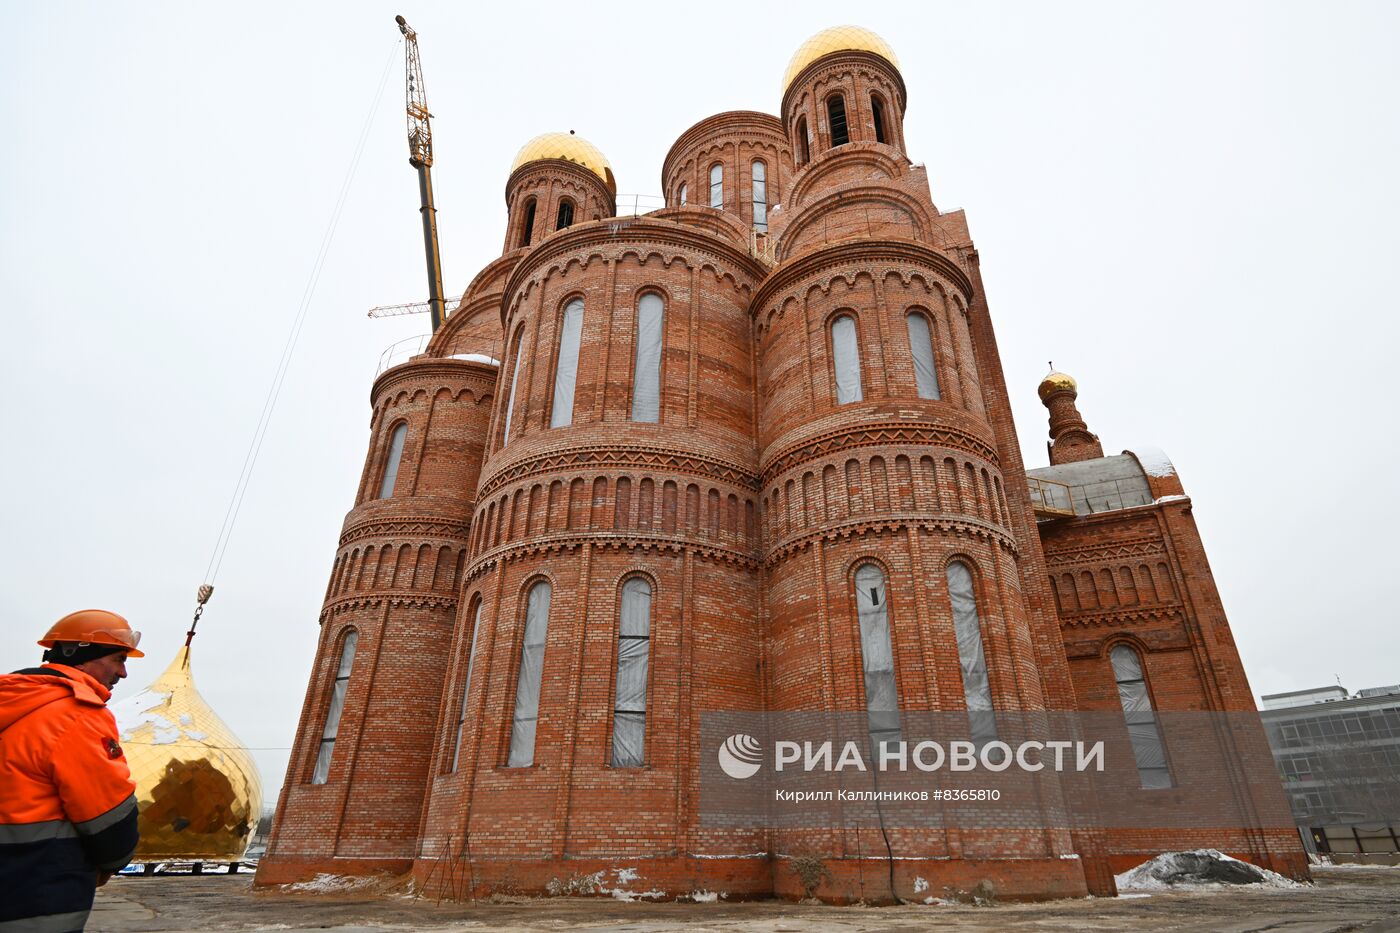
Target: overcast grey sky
(1192, 208)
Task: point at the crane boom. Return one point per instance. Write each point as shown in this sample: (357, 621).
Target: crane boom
(420, 156)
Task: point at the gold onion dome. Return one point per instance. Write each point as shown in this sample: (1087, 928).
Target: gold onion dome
(197, 787)
(568, 147)
(1056, 382)
(837, 39)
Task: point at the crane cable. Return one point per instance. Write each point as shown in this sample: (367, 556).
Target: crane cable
(274, 392)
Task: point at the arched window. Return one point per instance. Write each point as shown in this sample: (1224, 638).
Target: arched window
(921, 346)
(804, 142)
(877, 657)
(528, 232)
(877, 113)
(845, 355)
(717, 186)
(328, 734)
(527, 685)
(682, 195)
(566, 215)
(630, 701)
(977, 689)
(514, 381)
(467, 688)
(566, 374)
(391, 463)
(760, 197)
(646, 376)
(836, 120)
(1148, 749)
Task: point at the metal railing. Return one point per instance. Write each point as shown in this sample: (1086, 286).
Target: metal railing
(635, 205)
(401, 352)
(464, 346)
(1050, 498)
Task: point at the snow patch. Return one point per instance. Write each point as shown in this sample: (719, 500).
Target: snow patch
(706, 897)
(326, 883)
(1168, 499)
(1200, 869)
(626, 875)
(475, 358)
(920, 885)
(1154, 462)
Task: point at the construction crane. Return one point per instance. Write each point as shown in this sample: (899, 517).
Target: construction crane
(420, 156)
(412, 307)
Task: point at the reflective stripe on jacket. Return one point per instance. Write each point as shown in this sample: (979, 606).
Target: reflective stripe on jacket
(67, 801)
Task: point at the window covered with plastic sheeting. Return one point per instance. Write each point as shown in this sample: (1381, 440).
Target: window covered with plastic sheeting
(717, 186)
(877, 657)
(646, 376)
(682, 195)
(391, 463)
(977, 688)
(514, 381)
(630, 705)
(1149, 750)
(466, 689)
(921, 344)
(566, 375)
(760, 197)
(527, 685)
(342, 682)
(845, 356)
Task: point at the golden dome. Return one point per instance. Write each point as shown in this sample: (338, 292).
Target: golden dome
(837, 39)
(568, 147)
(197, 787)
(1056, 382)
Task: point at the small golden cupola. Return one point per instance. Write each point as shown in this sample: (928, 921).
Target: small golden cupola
(1056, 382)
(556, 181)
(1070, 438)
(837, 39)
(856, 97)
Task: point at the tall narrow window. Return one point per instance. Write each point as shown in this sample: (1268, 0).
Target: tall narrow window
(804, 142)
(342, 681)
(566, 375)
(646, 377)
(467, 688)
(877, 113)
(527, 685)
(977, 689)
(717, 186)
(528, 232)
(836, 120)
(760, 197)
(391, 463)
(633, 645)
(921, 345)
(1148, 749)
(877, 657)
(846, 357)
(514, 381)
(566, 214)
(682, 195)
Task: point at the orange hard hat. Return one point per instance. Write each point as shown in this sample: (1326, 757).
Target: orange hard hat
(94, 627)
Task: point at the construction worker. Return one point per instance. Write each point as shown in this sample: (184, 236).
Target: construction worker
(67, 801)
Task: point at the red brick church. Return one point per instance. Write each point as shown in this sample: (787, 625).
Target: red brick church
(652, 465)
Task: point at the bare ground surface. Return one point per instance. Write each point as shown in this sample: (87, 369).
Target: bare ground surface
(1348, 899)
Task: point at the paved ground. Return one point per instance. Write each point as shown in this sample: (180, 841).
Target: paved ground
(1343, 900)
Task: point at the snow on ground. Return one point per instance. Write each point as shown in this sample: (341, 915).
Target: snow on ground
(1199, 869)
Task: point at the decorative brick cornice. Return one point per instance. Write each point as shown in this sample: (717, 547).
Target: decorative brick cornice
(1123, 615)
(429, 367)
(723, 125)
(897, 252)
(341, 604)
(418, 530)
(873, 435)
(598, 457)
(892, 522)
(1105, 553)
(607, 540)
(847, 60)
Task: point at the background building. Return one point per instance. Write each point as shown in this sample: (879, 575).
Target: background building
(662, 464)
(1339, 757)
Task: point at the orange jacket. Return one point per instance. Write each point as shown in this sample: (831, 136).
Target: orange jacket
(67, 801)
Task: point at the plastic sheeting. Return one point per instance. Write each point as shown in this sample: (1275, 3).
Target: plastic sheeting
(633, 645)
(921, 344)
(977, 688)
(342, 682)
(760, 197)
(1149, 751)
(717, 186)
(391, 466)
(467, 689)
(514, 381)
(846, 356)
(646, 378)
(527, 687)
(877, 655)
(567, 375)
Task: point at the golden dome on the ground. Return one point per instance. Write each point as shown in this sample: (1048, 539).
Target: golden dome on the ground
(1055, 382)
(837, 39)
(568, 147)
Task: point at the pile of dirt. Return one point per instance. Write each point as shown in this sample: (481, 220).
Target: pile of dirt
(1198, 868)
